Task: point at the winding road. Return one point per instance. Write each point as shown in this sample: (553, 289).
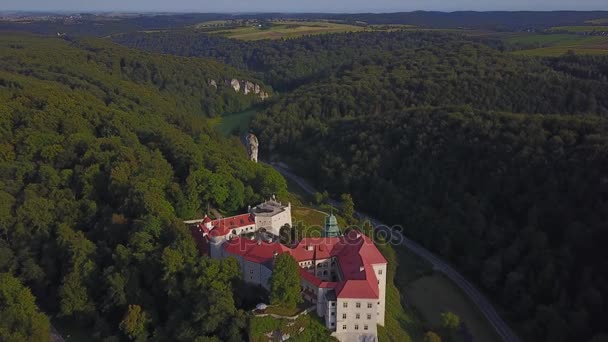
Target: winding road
(482, 303)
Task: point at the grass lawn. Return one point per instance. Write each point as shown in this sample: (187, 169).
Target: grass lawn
(314, 329)
(283, 311)
(287, 29)
(559, 44)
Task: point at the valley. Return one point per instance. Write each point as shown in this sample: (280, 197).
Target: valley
(131, 210)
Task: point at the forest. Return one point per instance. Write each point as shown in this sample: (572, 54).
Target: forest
(425, 138)
(103, 151)
(495, 162)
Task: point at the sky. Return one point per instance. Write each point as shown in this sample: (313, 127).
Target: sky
(300, 5)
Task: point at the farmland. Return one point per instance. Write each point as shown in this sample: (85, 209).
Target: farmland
(559, 44)
(599, 21)
(579, 29)
(286, 29)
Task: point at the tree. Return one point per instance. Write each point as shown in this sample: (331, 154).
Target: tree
(286, 234)
(285, 282)
(318, 198)
(348, 207)
(450, 320)
(430, 336)
(21, 319)
(134, 323)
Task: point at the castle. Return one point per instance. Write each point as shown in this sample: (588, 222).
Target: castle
(343, 275)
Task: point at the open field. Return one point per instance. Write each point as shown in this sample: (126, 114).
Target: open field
(559, 44)
(233, 123)
(599, 21)
(287, 29)
(578, 29)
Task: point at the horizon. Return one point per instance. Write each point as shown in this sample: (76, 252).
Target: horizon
(83, 11)
(290, 7)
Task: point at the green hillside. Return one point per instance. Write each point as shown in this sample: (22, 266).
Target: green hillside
(103, 151)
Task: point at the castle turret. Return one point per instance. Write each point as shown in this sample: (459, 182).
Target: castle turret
(331, 228)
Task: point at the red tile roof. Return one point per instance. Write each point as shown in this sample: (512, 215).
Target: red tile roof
(254, 250)
(224, 226)
(355, 253)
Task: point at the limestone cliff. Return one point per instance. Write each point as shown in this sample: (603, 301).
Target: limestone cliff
(247, 87)
(251, 141)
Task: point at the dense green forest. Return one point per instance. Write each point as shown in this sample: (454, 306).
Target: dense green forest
(285, 64)
(103, 151)
(418, 126)
(518, 202)
(496, 162)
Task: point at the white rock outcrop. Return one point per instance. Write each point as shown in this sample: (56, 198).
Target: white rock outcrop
(251, 141)
(235, 84)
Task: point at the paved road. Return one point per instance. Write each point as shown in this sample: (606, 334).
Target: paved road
(484, 305)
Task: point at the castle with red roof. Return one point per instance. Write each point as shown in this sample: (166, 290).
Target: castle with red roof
(344, 275)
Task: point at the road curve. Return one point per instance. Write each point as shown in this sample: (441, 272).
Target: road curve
(483, 304)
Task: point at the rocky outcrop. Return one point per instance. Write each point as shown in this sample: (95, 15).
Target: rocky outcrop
(251, 141)
(247, 87)
(235, 84)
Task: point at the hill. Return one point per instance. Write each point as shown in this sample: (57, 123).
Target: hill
(103, 151)
(506, 197)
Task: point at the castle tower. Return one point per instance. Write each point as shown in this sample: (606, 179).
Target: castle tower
(331, 228)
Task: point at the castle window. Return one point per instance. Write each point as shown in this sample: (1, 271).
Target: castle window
(358, 305)
(333, 303)
(369, 305)
(343, 316)
(345, 305)
(365, 327)
(356, 326)
(380, 271)
(369, 316)
(358, 316)
(344, 327)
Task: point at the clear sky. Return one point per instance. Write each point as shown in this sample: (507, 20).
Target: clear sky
(300, 5)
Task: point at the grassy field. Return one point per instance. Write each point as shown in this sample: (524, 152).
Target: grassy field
(287, 29)
(314, 329)
(559, 44)
(599, 21)
(234, 123)
(578, 29)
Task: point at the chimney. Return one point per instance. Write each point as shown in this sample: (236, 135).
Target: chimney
(309, 248)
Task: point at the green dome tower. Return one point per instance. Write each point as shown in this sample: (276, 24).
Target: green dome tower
(331, 228)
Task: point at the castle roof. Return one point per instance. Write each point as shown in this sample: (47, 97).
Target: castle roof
(224, 226)
(257, 251)
(355, 254)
